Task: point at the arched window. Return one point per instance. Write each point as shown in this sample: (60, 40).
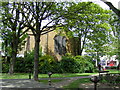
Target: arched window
(60, 44)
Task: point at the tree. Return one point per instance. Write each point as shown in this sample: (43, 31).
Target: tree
(12, 31)
(115, 39)
(89, 25)
(35, 14)
(117, 11)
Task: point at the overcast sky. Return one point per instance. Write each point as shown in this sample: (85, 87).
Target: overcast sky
(102, 4)
(114, 2)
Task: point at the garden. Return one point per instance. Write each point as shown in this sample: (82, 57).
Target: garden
(68, 64)
(60, 45)
(62, 72)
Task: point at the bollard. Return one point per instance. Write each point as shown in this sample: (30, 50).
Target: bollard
(95, 79)
(49, 74)
(29, 74)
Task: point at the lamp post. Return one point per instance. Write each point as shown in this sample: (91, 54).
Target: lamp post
(49, 74)
(29, 74)
(95, 79)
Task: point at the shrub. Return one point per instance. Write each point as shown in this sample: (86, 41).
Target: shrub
(84, 63)
(67, 64)
(5, 65)
(29, 61)
(47, 64)
(76, 64)
(19, 65)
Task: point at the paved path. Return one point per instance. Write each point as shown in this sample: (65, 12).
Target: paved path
(66, 77)
(27, 83)
(21, 83)
(66, 81)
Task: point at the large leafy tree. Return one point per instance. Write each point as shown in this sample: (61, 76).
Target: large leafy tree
(114, 9)
(115, 39)
(12, 31)
(89, 25)
(36, 13)
(117, 12)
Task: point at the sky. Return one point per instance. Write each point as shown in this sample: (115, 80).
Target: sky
(114, 2)
(102, 4)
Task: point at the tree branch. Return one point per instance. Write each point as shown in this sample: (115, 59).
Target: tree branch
(117, 11)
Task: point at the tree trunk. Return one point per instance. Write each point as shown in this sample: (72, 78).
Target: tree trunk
(79, 46)
(12, 63)
(13, 55)
(36, 56)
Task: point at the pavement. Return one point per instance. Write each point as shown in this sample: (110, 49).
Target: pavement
(66, 77)
(10, 84)
(30, 84)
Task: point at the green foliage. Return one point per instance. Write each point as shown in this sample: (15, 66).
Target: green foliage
(84, 64)
(46, 64)
(76, 84)
(67, 64)
(90, 25)
(76, 64)
(113, 79)
(20, 65)
(29, 60)
(5, 65)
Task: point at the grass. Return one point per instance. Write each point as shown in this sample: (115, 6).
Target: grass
(76, 83)
(14, 76)
(113, 71)
(53, 81)
(26, 75)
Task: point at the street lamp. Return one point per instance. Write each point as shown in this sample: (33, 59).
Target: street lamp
(49, 74)
(95, 79)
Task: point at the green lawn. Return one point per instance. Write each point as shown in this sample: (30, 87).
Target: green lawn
(113, 71)
(76, 83)
(26, 75)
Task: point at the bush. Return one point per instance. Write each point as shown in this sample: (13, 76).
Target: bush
(76, 64)
(29, 61)
(5, 65)
(25, 64)
(84, 63)
(67, 64)
(47, 64)
(20, 65)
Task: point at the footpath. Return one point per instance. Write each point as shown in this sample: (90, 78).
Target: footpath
(20, 84)
(29, 84)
